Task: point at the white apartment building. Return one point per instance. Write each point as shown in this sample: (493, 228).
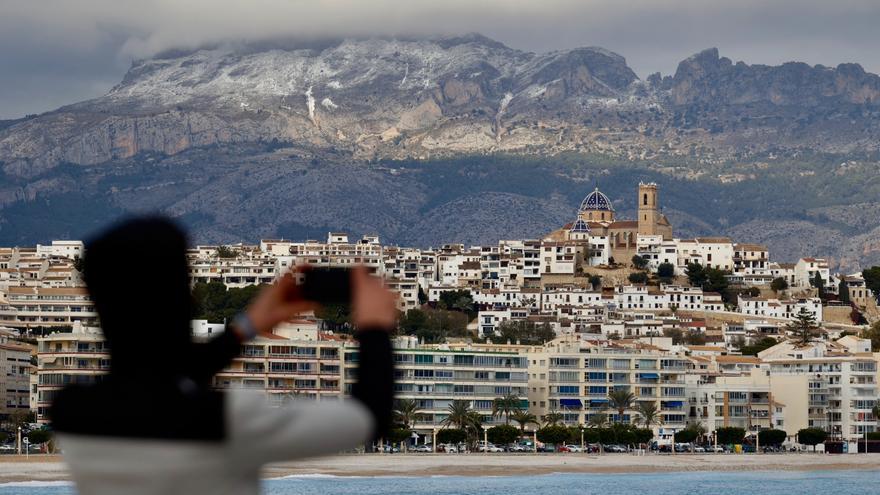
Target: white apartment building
(829, 385)
(782, 309)
(28, 307)
(79, 357)
(15, 359)
(436, 375)
(61, 249)
(574, 378)
(805, 271)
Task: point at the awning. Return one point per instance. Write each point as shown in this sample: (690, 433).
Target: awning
(649, 376)
(594, 402)
(570, 403)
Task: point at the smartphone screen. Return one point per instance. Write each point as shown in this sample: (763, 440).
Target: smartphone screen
(327, 285)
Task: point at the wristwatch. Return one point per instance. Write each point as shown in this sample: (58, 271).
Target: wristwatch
(242, 322)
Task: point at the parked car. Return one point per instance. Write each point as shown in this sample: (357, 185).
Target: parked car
(390, 449)
(699, 450)
(421, 448)
(712, 448)
(448, 448)
(482, 447)
(573, 448)
(614, 448)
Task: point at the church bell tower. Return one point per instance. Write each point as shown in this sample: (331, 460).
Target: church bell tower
(649, 214)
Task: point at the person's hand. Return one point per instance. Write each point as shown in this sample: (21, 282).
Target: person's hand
(279, 302)
(372, 306)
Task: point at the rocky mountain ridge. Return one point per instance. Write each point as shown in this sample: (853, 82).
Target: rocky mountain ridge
(380, 98)
(222, 135)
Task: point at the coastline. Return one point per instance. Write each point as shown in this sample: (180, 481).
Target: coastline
(52, 468)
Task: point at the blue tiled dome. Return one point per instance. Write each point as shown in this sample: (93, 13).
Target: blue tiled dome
(596, 201)
(580, 226)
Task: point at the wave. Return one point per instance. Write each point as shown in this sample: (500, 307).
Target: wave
(34, 484)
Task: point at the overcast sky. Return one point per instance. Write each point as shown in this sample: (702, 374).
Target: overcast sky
(61, 51)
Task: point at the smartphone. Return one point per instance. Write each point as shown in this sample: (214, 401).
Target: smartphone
(327, 285)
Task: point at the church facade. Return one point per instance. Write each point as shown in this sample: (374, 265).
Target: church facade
(597, 218)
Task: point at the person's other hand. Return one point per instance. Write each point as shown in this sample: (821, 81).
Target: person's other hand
(277, 303)
(373, 306)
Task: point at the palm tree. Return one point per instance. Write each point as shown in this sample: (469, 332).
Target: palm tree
(649, 414)
(504, 406)
(598, 420)
(552, 418)
(621, 399)
(524, 418)
(406, 412)
(459, 415)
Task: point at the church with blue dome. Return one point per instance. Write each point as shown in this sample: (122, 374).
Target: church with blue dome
(596, 216)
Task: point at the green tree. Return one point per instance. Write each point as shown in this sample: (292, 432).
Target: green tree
(873, 334)
(819, 283)
(504, 406)
(524, 418)
(596, 281)
(648, 414)
(730, 435)
(755, 348)
(553, 434)
(639, 262)
(441, 324)
(598, 420)
(37, 437)
(843, 292)
(696, 274)
(451, 435)
(226, 252)
(665, 271)
(686, 435)
(524, 332)
(503, 434)
(459, 415)
(638, 278)
(423, 297)
(412, 321)
(552, 418)
(458, 300)
(335, 317)
(621, 400)
(406, 412)
(397, 435)
(803, 326)
(872, 279)
(772, 437)
(811, 436)
(779, 284)
(643, 435)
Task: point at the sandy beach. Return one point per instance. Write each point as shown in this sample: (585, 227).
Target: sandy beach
(50, 468)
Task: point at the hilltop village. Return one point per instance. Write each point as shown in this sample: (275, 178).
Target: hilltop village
(709, 330)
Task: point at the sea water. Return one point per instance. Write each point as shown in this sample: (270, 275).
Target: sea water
(692, 483)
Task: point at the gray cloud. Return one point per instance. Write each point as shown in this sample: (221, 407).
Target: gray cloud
(63, 51)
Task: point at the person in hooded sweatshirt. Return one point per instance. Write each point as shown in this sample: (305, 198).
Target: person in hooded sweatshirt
(154, 424)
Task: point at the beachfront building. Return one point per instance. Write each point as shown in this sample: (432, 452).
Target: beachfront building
(830, 385)
(23, 308)
(727, 391)
(436, 375)
(15, 361)
(287, 366)
(574, 378)
(78, 357)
